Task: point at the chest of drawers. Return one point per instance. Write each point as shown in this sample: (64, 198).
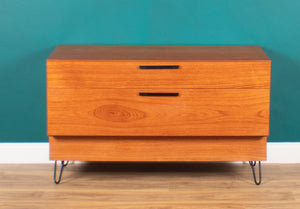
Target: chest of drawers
(158, 103)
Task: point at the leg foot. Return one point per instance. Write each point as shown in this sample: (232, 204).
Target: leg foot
(63, 164)
(253, 164)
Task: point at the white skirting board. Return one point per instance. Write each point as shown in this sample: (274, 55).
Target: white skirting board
(39, 153)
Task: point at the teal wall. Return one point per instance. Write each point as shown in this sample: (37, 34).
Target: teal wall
(30, 30)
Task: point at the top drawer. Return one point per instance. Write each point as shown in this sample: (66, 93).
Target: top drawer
(157, 74)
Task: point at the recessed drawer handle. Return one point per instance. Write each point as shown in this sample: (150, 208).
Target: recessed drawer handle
(147, 94)
(157, 67)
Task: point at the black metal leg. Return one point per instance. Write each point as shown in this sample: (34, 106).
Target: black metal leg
(63, 164)
(253, 164)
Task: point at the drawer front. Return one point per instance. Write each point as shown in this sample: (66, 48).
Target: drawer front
(147, 112)
(133, 74)
(145, 148)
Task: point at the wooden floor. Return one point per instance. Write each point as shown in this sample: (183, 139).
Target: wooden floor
(149, 185)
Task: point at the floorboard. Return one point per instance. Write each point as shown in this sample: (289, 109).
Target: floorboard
(150, 186)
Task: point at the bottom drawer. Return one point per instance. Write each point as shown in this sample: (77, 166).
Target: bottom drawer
(133, 112)
(158, 148)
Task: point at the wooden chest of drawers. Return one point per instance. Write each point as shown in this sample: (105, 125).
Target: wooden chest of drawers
(158, 103)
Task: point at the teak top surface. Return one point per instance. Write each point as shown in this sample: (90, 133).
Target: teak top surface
(158, 53)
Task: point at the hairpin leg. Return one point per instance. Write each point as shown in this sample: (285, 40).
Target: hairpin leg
(63, 164)
(252, 164)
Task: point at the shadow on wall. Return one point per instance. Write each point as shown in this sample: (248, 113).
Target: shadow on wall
(24, 88)
(285, 97)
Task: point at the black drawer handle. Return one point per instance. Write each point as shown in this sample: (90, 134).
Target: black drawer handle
(147, 94)
(157, 67)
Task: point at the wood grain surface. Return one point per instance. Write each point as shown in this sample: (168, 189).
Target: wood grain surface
(114, 74)
(122, 112)
(94, 91)
(157, 148)
(158, 52)
(150, 186)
